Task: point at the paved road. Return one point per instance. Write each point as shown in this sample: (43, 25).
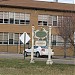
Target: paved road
(56, 59)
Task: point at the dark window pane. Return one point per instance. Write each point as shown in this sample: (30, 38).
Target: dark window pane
(27, 21)
(54, 42)
(22, 21)
(39, 22)
(6, 20)
(1, 20)
(5, 42)
(44, 23)
(10, 41)
(0, 42)
(54, 23)
(16, 21)
(16, 42)
(11, 20)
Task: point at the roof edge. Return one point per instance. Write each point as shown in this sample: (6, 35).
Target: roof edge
(35, 8)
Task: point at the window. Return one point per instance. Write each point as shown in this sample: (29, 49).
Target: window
(45, 20)
(16, 38)
(49, 20)
(1, 17)
(27, 18)
(5, 38)
(17, 17)
(54, 18)
(40, 20)
(20, 40)
(10, 38)
(11, 18)
(1, 38)
(57, 40)
(53, 39)
(60, 20)
(22, 18)
(6, 17)
(14, 18)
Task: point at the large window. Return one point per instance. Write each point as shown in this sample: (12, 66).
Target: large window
(10, 38)
(57, 40)
(43, 20)
(47, 20)
(14, 18)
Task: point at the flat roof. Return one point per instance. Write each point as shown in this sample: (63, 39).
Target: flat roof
(32, 4)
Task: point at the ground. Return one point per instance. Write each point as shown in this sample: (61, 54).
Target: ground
(15, 64)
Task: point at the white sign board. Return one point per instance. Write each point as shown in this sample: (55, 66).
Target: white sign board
(40, 43)
(24, 37)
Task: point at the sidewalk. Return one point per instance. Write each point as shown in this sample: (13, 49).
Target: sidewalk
(62, 57)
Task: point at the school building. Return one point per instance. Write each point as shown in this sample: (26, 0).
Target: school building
(18, 16)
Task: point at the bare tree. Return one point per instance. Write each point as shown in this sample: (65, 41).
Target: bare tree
(72, 30)
(66, 29)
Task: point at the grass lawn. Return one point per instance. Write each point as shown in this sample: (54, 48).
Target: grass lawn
(24, 67)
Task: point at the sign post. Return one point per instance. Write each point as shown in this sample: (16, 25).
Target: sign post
(32, 60)
(24, 43)
(49, 61)
(24, 38)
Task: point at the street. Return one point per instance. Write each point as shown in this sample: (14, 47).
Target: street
(56, 59)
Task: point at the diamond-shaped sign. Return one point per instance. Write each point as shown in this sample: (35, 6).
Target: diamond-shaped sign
(24, 38)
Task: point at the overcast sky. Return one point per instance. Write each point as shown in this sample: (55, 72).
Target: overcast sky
(63, 1)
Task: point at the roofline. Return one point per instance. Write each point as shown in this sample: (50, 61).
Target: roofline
(35, 8)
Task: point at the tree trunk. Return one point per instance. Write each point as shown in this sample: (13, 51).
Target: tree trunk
(74, 51)
(64, 49)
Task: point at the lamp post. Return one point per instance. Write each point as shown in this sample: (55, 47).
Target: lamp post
(32, 60)
(49, 61)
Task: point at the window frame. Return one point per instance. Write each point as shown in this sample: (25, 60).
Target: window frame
(12, 18)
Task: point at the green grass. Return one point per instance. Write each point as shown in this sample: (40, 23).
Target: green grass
(24, 67)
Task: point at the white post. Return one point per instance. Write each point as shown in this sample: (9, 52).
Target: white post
(24, 43)
(49, 61)
(32, 60)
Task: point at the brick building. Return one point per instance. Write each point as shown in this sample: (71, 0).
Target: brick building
(18, 16)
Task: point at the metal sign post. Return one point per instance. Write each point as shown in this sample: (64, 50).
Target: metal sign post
(24, 38)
